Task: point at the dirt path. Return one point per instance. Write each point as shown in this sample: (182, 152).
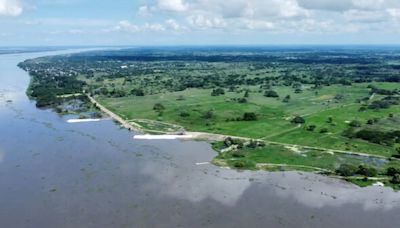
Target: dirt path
(124, 123)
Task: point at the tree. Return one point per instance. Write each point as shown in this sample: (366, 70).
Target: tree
(396, 179)
(246, 94)
(391, 171)
(367, 171)
(184, 114)
(217, 92)
(311, 128)
(298, 120)
(159, 108)
(242, 100)
(346, 170)
(252, 144)
(137, 92)
(249, 116)
(339, 96)
(355, 123)
(370, 122)
(323, 130)
(298, 91)
(209, 114)
(228, 142)
(286, 99)
(271, 93)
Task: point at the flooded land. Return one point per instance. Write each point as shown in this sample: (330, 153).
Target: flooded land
(94, 174)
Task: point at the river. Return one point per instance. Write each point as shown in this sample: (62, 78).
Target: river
(57, 174)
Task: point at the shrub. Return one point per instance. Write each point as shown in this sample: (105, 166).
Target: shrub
(249, 116)
(184, 114)
(355, 123)
(158, 107)
(137, 92)
(238, 154)
(242, 100)
(217, 92)
(298, 120)
(367, 171)
(396, 179)
(271, 93)
(391, 171)
(208, 115)
(286, 99)
(346, 170)
(311, 128)
(323, 130)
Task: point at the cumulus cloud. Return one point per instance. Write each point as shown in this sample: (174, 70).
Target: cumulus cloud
(129, 27)
(204, 22)
(174, 25)
(172, 5)
(10, 8)
(344, 5)
(276, 15)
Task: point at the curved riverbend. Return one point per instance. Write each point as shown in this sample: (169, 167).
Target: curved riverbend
(56, 174)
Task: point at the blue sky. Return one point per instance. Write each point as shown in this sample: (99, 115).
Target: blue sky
(198, 22)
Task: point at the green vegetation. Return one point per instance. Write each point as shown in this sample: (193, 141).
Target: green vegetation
(345, 100)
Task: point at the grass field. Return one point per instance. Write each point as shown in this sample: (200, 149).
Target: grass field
(273, 122)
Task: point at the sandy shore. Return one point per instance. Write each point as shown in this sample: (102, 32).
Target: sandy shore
(82, 120)
(162, 137)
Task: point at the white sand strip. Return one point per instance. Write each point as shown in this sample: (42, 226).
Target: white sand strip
(82, 120)
(162, 137)
(203, 163)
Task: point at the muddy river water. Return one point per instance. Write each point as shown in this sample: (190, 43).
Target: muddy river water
(58, 174)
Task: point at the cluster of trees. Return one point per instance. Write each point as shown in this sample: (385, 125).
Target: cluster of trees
(376, 136)
(298, 120)
(395, 174)
(348, 170)
(386, 92)
(271, 93)
(247, 116)
(385, 103)
(242, 144)
(177, 70)
(217, 92)
(46, 88)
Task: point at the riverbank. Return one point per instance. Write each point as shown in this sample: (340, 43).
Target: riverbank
(260, 154)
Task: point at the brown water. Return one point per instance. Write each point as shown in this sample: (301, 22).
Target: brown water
(55, 174)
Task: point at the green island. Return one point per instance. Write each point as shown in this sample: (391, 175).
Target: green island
(334, 111)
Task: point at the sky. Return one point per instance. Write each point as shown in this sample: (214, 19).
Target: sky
(198, 22)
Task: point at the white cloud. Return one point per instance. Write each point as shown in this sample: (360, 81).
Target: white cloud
(344, 5)
(307, 16)
(174, 25)
(153, 27)
(10, 8)
(204, 22)
(68, 22)
(395, 13)
(126, 26)
(258, 24)
(144, 11)
(172, 5)
(365, 16)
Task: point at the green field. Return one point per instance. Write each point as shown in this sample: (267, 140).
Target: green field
(273, 123)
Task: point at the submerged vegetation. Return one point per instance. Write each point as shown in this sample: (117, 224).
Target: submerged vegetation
(330, 110)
